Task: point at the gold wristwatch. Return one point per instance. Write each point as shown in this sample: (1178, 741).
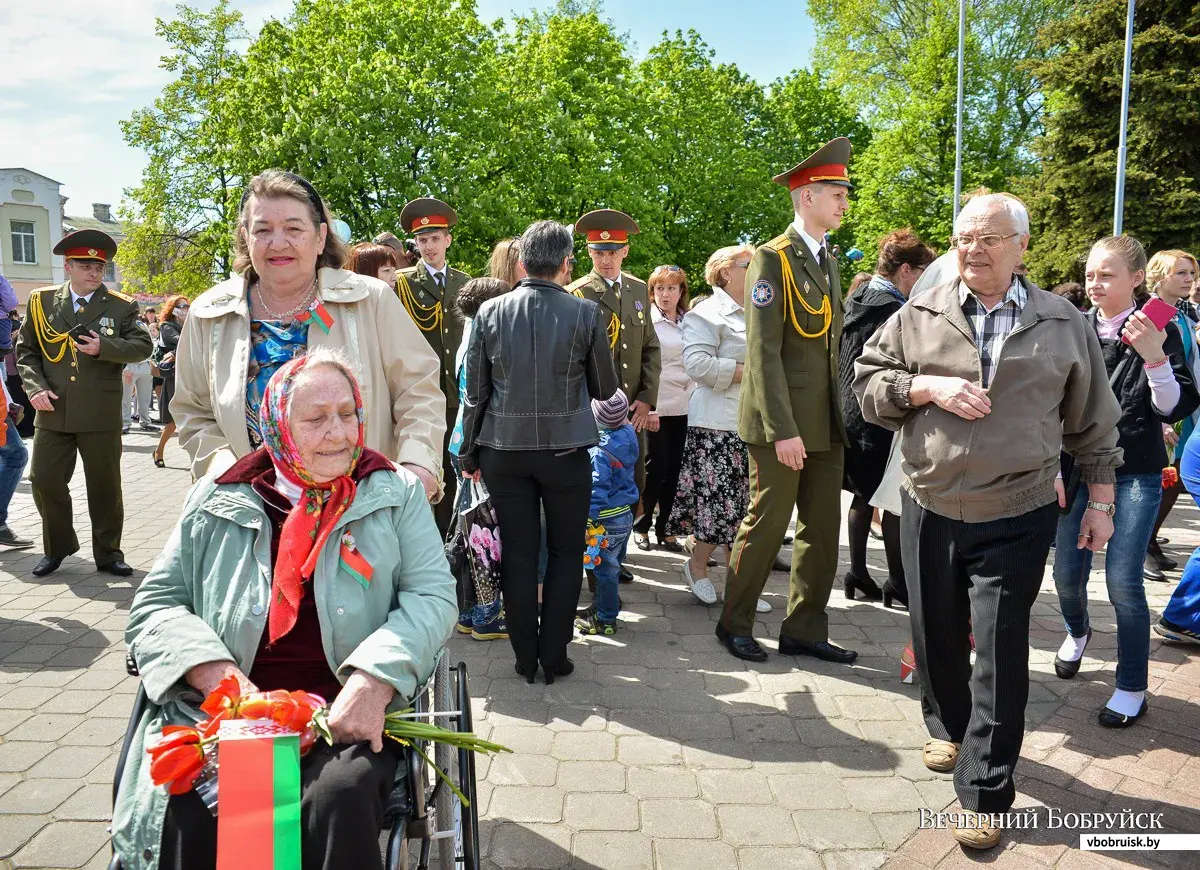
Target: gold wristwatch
(1108, 509)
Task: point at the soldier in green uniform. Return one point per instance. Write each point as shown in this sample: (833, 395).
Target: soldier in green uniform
(790, 417)
(631, 333)
(74, 344)
(429, 291)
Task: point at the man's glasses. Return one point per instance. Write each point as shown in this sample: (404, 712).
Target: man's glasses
(986, 242)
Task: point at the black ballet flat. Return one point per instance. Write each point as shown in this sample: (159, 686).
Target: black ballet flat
(1066, 670)
(1113, 719)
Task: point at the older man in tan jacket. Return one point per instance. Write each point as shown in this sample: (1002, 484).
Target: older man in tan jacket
(988, 378)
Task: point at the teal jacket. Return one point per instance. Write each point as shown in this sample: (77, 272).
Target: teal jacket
(206, 600)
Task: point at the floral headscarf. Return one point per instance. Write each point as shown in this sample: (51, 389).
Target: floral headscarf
(320, 506)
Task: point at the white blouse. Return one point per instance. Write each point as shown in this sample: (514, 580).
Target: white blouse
(714, 342)
(674, 385)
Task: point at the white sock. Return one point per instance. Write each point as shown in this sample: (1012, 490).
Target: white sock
(1126, 703)
(1072, 648)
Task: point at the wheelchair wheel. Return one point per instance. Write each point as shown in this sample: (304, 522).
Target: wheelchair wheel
(447, 811)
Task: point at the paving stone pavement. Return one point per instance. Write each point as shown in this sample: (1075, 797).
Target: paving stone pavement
(660, 752)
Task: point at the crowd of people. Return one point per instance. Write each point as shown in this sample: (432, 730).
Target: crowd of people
(326, 395)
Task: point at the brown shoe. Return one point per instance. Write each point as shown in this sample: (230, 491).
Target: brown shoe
(980, 835)
(940, 755)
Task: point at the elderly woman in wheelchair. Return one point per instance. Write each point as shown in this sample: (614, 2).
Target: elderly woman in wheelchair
(311, 564)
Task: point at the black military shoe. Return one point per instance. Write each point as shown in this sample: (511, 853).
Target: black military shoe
(118, 567)
(822, 649)
(48, 565)
(625, 575)
(741, 646)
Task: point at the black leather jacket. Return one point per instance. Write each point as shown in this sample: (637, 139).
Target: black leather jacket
(536, 358)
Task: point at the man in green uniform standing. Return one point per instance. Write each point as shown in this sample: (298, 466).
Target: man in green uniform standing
(73, 347)
(631, 333)
(429, 291)
(790, 418)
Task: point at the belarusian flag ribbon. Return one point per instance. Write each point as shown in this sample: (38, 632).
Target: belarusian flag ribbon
(353, 562)
(318, 316)
(258, 827)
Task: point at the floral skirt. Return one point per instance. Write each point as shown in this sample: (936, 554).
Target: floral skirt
(714, 486)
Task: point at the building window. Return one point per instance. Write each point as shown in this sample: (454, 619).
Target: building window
(23, 246)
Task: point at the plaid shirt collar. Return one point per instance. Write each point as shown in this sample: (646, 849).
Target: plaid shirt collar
(1017, 294)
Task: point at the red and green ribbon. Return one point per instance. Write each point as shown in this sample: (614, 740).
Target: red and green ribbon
(353, 563)
(318, 316)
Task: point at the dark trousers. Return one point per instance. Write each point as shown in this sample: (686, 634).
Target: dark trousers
(444, 510)
(343, 790)
(664, 460)
(520, 482)
(50, 479)
(983, 577)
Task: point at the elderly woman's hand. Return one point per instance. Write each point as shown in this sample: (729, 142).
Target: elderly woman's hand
(357, 712)
(206, 677)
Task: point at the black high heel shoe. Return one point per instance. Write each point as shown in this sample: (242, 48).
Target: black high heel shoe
(892, 592)
(562, 669)
(528, 673)
(869, 590)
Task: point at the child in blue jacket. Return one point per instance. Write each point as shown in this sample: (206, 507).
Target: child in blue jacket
(613, 495)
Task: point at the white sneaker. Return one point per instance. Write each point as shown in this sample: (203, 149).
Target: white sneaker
(763, 606)
(702, 588)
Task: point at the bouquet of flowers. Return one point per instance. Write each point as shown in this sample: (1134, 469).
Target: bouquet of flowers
(596, 541)
(183, 757)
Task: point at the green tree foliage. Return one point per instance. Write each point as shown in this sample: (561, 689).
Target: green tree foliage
(896, 62)
(179, 216)
(547, 115)
(1072, 199)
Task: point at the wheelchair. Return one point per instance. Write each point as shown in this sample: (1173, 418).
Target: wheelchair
(424, 821)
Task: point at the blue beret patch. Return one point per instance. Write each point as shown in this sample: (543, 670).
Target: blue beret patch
(762, 294)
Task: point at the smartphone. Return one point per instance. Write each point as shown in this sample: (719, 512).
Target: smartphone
(1160, 313)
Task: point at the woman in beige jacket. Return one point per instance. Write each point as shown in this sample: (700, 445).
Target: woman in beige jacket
(291, 296)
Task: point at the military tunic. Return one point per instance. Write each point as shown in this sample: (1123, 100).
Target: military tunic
(789, 390)
(444, 338)
(632, 337)
(86, 416)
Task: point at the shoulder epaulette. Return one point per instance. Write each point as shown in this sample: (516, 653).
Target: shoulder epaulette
(630, 277)
(576, 287)
(119, 295)
(779, 243)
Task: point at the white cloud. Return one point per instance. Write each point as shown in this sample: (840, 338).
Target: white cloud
(72, 70)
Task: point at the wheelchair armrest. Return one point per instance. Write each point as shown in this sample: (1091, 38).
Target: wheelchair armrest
(131, 667)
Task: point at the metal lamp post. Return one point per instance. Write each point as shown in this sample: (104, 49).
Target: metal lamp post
(1123, 146)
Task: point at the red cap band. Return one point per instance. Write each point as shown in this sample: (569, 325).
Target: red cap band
(85, 254)
(601, 236)
(430, 222)
(829, 172)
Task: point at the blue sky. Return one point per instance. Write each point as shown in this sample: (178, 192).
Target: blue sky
(74, 68)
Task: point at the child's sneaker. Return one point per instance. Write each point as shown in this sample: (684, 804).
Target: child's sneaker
(464, 625)
(494, 629)
(594, 625)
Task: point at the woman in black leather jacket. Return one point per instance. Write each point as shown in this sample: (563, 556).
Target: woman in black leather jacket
(536, 358)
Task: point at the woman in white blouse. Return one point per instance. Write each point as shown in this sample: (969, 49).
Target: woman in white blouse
(669, 419)
(714, 483)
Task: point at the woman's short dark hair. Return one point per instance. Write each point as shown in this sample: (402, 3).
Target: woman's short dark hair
(544, 246)
(367, 258)
(1073, 292)
(901, 247)
(478, 291)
